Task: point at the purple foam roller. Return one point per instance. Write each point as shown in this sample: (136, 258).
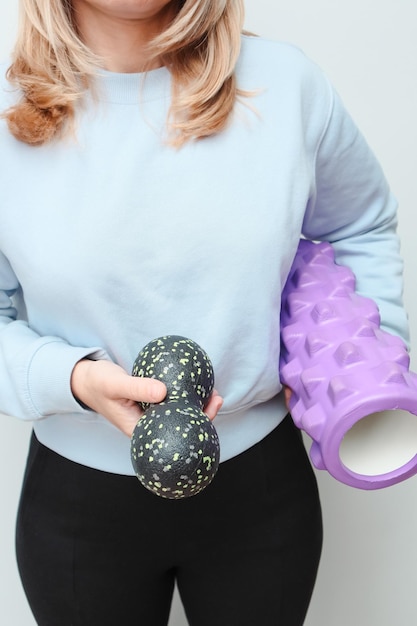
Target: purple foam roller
(353, 391)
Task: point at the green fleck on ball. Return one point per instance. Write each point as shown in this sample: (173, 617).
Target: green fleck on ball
(175, 448)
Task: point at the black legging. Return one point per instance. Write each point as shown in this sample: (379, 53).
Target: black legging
(97, 549)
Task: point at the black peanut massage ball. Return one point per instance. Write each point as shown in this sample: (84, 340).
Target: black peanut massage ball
(175, 448)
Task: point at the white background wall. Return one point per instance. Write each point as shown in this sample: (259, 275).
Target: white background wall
(368, 575)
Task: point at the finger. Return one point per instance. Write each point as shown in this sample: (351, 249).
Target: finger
(116, 383)
(145, 389)
(214, 405)
(287, 396)
(124, 415)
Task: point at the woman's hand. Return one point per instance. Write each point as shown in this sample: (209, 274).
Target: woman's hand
(107, 389)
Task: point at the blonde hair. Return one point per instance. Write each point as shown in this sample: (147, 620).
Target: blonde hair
(53, 68)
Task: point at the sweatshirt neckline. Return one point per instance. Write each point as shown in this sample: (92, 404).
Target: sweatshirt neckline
(123, 88)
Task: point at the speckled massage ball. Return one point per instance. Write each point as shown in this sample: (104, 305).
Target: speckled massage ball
(175, 448)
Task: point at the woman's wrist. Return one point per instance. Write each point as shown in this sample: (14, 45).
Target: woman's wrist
(77, 376)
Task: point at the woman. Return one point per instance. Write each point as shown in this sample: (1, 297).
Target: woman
(167, 166)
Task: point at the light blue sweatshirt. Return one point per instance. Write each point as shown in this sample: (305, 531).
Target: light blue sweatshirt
(112, 238)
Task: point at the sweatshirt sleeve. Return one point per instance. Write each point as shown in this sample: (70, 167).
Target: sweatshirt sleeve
(35, 371)
(353, 208)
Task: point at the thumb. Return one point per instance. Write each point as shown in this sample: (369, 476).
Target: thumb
(146, 390)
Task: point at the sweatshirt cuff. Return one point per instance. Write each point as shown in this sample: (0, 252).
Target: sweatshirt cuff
(49, 372)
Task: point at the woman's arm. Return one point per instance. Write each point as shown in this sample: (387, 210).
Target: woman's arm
(41, 376)
(352, 208)
(36, 372)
